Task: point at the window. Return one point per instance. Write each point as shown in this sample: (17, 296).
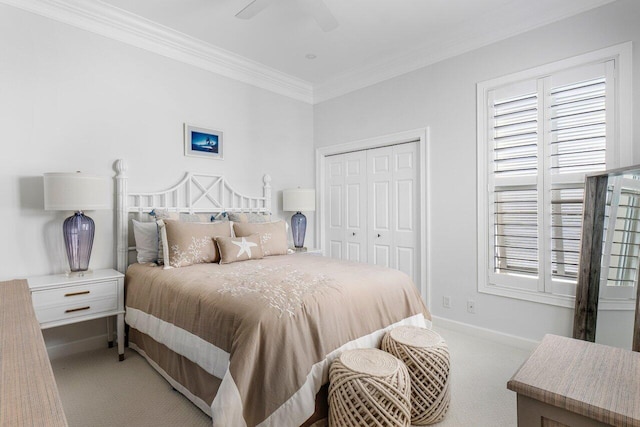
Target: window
(539, 133)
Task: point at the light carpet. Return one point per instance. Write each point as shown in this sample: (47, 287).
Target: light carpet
(97, 390)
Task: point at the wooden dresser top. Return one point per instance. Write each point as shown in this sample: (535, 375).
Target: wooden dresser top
(28, 392)
(594, 380)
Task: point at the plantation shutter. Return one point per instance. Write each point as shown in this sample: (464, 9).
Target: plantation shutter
(514, 233)
(544, 136)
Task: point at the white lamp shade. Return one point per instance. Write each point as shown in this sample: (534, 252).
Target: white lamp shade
(299, 200)
(75, 192)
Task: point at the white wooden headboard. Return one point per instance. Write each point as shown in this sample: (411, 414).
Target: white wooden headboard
(195, 193)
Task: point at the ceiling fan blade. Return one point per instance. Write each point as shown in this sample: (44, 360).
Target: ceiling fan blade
(253, 8)
(321, 13)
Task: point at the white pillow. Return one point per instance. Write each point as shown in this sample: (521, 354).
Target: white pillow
(146, 237)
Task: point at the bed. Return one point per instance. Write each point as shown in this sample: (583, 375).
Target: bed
(250, 342)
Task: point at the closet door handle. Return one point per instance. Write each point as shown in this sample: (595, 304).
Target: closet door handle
(379, 235)
(354, 233)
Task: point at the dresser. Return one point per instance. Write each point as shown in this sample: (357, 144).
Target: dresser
(60, 299)
(568, 382)
(28, 392)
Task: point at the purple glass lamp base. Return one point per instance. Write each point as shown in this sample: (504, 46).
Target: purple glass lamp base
(78, 231)
(298, 229)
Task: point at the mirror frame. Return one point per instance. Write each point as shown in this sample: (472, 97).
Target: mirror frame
(588, 285)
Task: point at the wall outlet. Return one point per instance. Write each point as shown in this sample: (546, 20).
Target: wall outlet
(446, 302)
(471, 306)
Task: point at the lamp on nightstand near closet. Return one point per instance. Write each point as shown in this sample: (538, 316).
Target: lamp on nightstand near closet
(77, 192)
(298, 200)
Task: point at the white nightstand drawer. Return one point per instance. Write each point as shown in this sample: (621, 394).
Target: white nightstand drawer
(76, 294)
(77, 309)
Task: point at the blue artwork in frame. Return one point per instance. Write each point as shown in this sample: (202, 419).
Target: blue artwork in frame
(202, 142)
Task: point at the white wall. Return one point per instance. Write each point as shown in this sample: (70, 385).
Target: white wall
(72, 100)
(443, 97)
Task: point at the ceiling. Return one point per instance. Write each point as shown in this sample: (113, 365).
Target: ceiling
(370, 31)
(375, 39)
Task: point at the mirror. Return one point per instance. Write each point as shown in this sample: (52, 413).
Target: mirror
(610, 253)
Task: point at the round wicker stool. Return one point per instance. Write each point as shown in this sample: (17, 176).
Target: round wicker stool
(427, 357)
(368, 387)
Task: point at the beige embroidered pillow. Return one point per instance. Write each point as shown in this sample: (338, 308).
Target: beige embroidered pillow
(273, 235)
(192, 242)
(234, 249)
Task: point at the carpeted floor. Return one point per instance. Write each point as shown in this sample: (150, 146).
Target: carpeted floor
(97, 390)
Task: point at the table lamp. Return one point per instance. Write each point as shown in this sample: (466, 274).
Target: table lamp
(298, 200)
(77, 192)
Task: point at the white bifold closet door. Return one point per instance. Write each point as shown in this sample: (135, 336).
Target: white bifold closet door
(372, 207)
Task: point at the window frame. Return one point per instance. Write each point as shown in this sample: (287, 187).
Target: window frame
(619, 154)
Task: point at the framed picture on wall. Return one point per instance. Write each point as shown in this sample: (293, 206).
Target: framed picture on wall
(202, 142)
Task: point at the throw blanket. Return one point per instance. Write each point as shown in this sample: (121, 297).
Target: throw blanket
(269, 328)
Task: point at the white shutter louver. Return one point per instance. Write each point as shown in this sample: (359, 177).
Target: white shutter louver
(515, 125)
(516, 231)
(578, 127)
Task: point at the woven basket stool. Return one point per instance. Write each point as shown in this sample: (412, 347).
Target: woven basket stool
(368, 387)
(427, 357)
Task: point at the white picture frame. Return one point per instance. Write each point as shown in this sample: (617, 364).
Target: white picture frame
(203, 142)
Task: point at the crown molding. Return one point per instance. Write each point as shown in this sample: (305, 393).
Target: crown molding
(117, 24)
(440, 49)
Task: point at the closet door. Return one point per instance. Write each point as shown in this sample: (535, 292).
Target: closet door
(393, 204)
(372, 206)
(334, 206)
(356, 206)
(346, 202)
(380, 184)
(406, 206)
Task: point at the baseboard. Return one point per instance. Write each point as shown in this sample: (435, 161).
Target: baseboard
(79, 346)
(489, 334)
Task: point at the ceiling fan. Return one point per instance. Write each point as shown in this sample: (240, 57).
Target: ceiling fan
(316, 8)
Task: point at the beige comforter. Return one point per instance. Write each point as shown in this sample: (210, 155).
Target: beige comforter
(269, 328)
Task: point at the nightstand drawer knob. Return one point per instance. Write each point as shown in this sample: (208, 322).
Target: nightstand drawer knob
(73, 294)
(71, 310)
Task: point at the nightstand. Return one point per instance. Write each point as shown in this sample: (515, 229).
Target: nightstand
(62, 300)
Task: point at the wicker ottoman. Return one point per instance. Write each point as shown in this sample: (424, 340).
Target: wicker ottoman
(427, 357)
(368, 387)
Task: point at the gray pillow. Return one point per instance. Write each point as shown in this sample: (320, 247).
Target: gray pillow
(146, 237)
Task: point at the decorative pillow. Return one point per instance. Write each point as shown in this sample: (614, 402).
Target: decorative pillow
(190, 243)
(273, 235)
(146, 237)
(234, 249)
(251, 217)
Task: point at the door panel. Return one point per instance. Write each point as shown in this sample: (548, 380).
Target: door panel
(406, 260)
(354, 251)
(381, 205)
(335, 249)
(405, 205)
(381, 255)
(335, 206)
(353, 213)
